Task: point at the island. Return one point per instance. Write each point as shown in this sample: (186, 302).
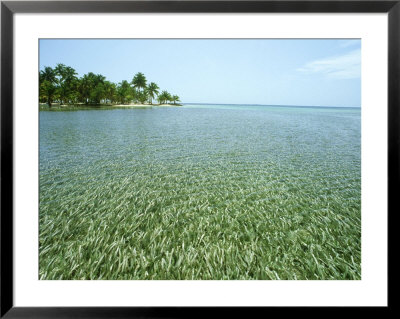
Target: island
(61, 89)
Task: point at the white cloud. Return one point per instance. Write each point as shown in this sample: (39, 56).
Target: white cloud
(346, 66)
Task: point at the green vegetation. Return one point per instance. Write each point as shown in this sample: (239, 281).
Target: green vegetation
(147, 227)
(62, 86)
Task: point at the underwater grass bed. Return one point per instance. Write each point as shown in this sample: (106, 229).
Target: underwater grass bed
(200, 194)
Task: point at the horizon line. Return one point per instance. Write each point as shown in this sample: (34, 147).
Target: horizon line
(257, 104)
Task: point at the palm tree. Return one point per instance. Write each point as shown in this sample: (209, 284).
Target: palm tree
(48, 74)
(152, 90)
(47, 84)
(168, 97)
(110, 90)
(92, 88)
(139, 81)
(85, 87)
(175, 98)
(124, 91)
(66, 78)
(163, 97)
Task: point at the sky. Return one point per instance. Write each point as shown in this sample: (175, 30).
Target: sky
(304, 72)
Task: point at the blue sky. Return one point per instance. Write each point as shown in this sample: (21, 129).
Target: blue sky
(310, 72)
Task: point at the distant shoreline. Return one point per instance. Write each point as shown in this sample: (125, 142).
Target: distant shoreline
(278, 105)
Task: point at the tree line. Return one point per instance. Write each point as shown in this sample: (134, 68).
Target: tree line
(62, 85)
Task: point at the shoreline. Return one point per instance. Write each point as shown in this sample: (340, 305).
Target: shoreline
(144, 105)
(78, 107)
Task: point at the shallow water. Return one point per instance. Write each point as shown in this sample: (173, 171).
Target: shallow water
(243, 159)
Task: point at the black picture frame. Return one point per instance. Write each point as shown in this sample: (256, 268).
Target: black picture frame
(9, 8)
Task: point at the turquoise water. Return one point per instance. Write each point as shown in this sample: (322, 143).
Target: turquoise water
(297, 166)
